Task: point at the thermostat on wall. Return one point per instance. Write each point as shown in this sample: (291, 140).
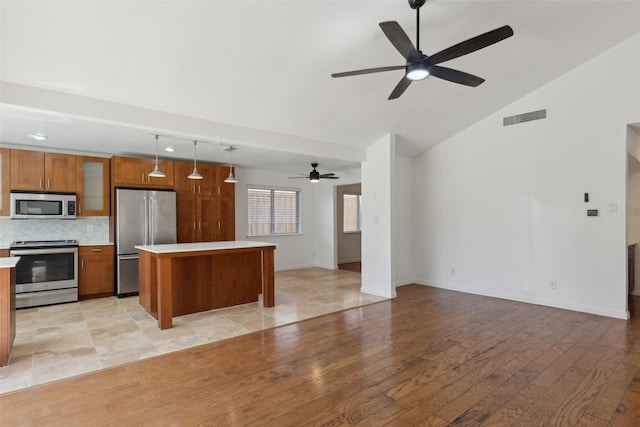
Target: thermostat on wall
(592, 212)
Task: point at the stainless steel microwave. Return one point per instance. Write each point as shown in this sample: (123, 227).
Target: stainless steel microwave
(43, 205)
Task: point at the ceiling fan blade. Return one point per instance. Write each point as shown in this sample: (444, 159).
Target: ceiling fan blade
(324, 175)
(296, 177)
(456, 76)
(398, 38)
(400, 88)
(329, 177)
(471, 45)
(368, 71)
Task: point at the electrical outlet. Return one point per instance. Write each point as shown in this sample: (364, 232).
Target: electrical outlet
(552, 284)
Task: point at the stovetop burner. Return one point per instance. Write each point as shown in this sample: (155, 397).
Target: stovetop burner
(41, 243)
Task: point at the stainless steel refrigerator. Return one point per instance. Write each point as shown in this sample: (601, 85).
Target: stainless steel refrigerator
(143, 217)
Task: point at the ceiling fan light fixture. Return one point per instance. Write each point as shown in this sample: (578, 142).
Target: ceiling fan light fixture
(417, 71)
(314, 176)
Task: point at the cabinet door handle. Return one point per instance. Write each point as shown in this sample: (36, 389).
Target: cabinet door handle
(194, 225)
(79, 208)
(49, 183)
(142, 176)
(194, 189)
(40, 182)
(199, 190)
(199, 225)
(82, 264)
(97, 250)
(218, 225)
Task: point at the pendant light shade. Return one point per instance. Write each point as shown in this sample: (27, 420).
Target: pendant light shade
(156, 172)
(231, 179)
(195, 174)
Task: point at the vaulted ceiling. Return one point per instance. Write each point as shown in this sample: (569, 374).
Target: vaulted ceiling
(257, 73)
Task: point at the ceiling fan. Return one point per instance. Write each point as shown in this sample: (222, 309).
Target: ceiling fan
(420, 66)
(315, 176)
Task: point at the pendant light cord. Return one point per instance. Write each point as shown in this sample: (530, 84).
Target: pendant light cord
(195, 143)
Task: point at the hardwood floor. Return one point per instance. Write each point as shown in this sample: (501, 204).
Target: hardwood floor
(351, 266)
(430, 357)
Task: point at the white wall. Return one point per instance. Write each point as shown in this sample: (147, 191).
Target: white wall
(324, 225)
(378, 184)
(316, 246)
(294, 251)
(326, 219)
(404, 235)
(499, 210)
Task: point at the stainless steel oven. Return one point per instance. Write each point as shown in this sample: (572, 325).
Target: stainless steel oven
(47, 272)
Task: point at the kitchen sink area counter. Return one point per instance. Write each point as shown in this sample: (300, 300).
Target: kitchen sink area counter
(183, 278)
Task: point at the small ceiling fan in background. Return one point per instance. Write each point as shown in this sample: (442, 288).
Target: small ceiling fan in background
(315, 176)
(420, 66)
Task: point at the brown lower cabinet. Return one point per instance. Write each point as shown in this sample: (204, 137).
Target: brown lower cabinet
(4, 253)
(95, 277)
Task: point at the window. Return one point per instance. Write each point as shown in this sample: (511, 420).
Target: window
(352, 213)
(273, 211)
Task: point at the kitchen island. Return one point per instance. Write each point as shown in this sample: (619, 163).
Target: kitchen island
(183, 278)
(7, 307)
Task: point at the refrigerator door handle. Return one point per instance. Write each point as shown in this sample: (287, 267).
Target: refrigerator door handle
(152, 208)
(145, 204)
(128, 256)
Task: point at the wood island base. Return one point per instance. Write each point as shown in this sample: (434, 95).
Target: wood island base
(179, 279)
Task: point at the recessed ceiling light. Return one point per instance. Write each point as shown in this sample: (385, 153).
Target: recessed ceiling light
(38, 136)
(169, 149)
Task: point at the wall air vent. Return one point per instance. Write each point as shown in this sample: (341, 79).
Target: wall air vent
(525, 117)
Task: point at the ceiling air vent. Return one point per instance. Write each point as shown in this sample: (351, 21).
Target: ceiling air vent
(524, 117)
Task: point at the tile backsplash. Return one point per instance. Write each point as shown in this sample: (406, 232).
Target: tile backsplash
(86, 230)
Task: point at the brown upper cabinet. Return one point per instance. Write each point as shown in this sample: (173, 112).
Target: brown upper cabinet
(205, 207)
(92, 186)
(204, 187)
(38, 171)
(134, 172)
(5, 177)
(224, 189)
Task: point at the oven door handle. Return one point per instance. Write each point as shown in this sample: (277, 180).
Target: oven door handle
(42, 251)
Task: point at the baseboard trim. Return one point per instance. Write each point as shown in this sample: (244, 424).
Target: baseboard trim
(624, 315)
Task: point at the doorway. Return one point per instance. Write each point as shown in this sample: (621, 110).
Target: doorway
(349, 223)
(633, 218)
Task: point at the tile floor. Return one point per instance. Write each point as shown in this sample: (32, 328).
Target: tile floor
(64, 340)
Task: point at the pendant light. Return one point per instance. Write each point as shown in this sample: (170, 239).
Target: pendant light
(231, 179)
(194, 174)
(156, 172)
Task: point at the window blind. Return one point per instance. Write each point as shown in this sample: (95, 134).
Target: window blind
(352, 213)
(273, 211)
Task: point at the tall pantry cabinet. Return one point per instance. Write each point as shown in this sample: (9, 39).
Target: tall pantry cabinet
(205, 208)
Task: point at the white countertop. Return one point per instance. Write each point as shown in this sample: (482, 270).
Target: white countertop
(9, 262)
(202, 246)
